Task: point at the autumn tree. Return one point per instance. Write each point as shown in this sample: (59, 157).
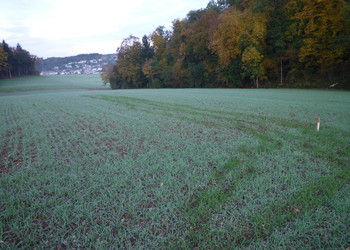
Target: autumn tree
(314, 28)
(320, 22)
(237, 31)
(19, 62)
(107, 75)
(148, 70)
(129, 61)
(232, 42)
(10, 58)
(252, 64)
(239, 4)
(159, 39)
(3, 61)
(278, 22)
(161, 63)
(177, 55)
(201, 63)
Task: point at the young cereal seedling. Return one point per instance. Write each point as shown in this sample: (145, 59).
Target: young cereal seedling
(172, 168)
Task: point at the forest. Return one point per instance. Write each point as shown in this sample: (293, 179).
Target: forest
(16, 61)
(242, 44)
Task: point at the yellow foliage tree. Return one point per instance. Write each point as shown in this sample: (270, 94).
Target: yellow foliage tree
(148, 70)
(252, 64)
(236, 31)
(3, 60)
(159, 42)
(319, 22)
(129, 61)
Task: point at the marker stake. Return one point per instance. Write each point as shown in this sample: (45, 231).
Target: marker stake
(318, 124)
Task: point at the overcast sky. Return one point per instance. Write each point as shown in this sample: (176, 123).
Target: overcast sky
(48, 28)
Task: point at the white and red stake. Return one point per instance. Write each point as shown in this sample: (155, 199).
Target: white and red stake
(318, 124)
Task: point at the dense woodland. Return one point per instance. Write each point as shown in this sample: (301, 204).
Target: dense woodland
(242, 43)
(16, 61)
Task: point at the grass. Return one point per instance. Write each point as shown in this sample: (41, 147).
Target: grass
(175, 168)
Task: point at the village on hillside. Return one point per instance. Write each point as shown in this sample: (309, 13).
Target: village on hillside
(76, 65)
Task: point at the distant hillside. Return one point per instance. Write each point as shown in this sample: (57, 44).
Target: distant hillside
(80, 64)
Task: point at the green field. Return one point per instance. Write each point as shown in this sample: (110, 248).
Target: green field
(172, 168)
(52, 82)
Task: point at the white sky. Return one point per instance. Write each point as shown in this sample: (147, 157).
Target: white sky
(48, 28)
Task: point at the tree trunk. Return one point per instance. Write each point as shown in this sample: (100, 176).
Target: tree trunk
(281, 72)
(257, 82)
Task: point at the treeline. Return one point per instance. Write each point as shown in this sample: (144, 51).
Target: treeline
(242, 43)
(16, 61)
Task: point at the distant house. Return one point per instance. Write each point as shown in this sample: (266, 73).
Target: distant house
(54, 66)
